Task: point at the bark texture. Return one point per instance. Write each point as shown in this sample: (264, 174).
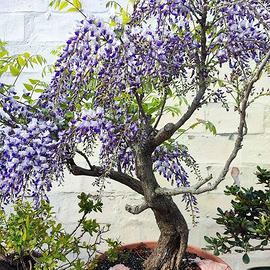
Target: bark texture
(173, 228)
(173, 238)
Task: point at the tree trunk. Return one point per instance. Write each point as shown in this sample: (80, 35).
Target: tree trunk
(173, 228)
(173, 238)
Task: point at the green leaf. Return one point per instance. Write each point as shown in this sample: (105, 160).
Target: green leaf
(77, 4)
(125, 16)
(69, 115)
(38, 90)
(56, 3)
(26, 97)
(28, 87)
(207, 239)
(14, 71)
(72, 9)
(3, 69)
(3, 53)
(113, 23)
(33, 81)
(221, 83)
(63, 5)
(40, 59)
(27, 54)
(245, 258)
(33, 60)
(21, 61)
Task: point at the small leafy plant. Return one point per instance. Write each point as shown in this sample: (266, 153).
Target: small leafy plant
(31, 238)
(247, 224)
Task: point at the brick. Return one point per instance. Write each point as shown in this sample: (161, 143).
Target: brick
(94, 6)
(12, 27)
(255, 118)
(227, 122)
(267, 119)
(208, 148)
(24, 6)
(256, 149)
(54, 27)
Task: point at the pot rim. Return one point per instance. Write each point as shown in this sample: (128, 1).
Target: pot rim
(192, 249)
(259, 267)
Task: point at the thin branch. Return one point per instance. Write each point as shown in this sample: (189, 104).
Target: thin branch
(7, 123)
(169, 129)
(137, 209)
(97, 171)
(139, 102)
(183, 190)
(85, 157)
(242, 130)
(162, 109)
(79, 10)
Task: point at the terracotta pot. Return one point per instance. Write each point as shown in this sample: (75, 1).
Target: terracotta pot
(259, 268)
(191, 249)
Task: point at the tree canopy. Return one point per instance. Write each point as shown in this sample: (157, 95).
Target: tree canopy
(115, 81)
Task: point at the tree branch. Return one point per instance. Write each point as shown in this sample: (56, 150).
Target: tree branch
(182, 190)
(97, 171)
(137, 209)
(242, 130)
(169, 129)
(85, 157)
(139, 102)
(161, 110)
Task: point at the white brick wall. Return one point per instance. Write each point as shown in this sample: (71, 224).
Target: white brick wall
(12, 27)
(14, 6)
(32, 26)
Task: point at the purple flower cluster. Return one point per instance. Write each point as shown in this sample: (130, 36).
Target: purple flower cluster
(98, 94)
(244, 38)
(168, 162)
(29, 150)
(113, 136)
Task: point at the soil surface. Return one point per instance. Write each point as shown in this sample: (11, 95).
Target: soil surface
(10, 264)
(134, 259)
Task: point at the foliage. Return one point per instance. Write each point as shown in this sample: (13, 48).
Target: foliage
(114, 85)
(247, 224)
(15, 65)
(33, 236)
(66, 5)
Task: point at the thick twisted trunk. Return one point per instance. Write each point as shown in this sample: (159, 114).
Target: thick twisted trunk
(173, 238)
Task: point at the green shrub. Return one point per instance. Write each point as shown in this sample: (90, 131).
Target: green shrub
(31, 238)
(247, 224)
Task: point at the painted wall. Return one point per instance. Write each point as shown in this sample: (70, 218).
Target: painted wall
(32, 26)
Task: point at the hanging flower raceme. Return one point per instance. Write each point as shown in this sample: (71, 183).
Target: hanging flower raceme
(29, 150)
(103, 79)
(168, 162)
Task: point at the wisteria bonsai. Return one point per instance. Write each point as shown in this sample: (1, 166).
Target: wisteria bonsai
(114, 84)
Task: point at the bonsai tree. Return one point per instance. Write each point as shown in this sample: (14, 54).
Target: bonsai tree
(115, 84)
(247, 224)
